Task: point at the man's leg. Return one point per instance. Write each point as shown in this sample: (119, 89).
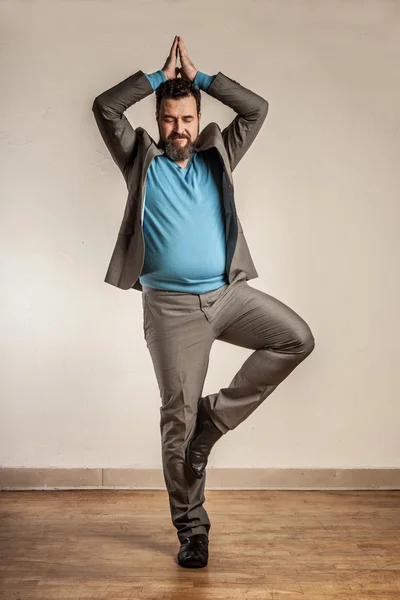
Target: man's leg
(248, 317)
(179, 339)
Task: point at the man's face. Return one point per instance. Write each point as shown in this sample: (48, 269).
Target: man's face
(178, 124)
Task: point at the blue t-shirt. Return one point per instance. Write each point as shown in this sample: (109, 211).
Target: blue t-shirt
(183, 219)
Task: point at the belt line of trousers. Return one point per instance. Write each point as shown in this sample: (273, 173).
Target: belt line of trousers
(179, 329)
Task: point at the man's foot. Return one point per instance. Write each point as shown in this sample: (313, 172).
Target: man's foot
(193, 552)
(203, 439)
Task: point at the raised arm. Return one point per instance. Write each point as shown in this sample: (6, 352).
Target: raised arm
(115, 129)
(251, 112)
(108, 108)
(251, 108)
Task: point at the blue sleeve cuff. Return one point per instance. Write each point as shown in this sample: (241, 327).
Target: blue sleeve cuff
(156, 79)
(203, 81)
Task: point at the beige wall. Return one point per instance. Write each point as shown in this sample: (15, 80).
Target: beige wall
(318, 198)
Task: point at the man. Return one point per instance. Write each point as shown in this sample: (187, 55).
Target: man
(181, 243)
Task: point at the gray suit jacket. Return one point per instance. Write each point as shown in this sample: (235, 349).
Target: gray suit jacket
(133, 150)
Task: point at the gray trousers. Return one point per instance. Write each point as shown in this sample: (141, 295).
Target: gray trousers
(179, 329)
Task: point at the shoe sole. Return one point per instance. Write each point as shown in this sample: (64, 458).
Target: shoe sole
(187, 452)
(192, 564)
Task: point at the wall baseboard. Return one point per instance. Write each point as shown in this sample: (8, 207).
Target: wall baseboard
(23, 478)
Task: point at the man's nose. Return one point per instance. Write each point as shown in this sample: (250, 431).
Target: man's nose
(179, 131)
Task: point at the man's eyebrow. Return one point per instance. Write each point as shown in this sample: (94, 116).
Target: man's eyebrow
(172, 116)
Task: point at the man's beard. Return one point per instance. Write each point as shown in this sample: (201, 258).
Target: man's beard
(178, 151)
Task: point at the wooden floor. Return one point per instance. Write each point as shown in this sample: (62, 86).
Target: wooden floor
(120, 544)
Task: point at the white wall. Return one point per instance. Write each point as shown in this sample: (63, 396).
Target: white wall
(317, 194)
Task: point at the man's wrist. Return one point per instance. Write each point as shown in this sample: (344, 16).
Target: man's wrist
(156, 78)
(203, 81)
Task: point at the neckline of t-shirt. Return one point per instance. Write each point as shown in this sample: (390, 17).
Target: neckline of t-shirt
(188, 164)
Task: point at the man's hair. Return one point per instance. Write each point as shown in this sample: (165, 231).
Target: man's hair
(177, 88)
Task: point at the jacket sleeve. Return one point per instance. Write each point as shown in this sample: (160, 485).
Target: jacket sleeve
(108, 109)
(251, 112)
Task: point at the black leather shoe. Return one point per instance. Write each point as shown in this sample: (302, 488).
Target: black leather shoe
(193, 552)
(200, 444)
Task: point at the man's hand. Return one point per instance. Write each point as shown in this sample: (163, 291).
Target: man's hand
(188, 70)
(170, 69)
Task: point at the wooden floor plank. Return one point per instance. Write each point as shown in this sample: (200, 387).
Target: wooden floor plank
(269, 545)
